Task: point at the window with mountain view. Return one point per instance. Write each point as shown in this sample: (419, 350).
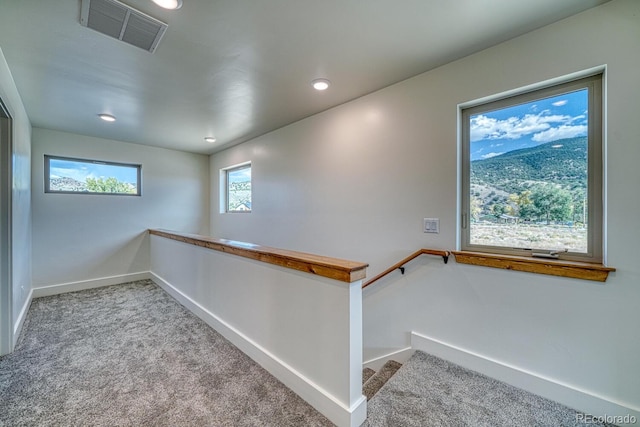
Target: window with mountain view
(532, 173)
(238, 188)
(67, 175)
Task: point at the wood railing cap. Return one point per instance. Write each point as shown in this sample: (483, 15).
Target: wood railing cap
(333, 268)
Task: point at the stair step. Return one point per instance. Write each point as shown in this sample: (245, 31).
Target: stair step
(376, 381)
(366, 374)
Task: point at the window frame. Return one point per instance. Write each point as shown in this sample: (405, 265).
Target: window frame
(225, 181)
(595, 170)
(47, 175)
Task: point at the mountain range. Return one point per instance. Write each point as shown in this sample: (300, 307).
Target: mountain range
(562, 162)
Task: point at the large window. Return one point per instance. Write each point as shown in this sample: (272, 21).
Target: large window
(237, 188)
(532, 173)
(67, 175)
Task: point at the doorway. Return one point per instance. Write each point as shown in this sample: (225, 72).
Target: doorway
(6, 287)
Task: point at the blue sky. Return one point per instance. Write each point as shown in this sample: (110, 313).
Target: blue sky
(240, 175)
(526, 125)
(80, 171)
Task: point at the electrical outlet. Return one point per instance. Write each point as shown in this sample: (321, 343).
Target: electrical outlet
(431, 225)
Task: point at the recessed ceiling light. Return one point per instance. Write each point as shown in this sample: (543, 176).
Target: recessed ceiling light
(320, 84)
(107, 117)
(210, 139)
(169, 4)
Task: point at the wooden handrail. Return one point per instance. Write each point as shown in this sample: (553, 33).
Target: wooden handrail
(400, 265)
(333, 268)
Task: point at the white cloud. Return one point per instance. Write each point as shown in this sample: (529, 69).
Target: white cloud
(582, 118)
(489, 155)
(560, 132)
(544, 127)
(483, 127)
(560, 103)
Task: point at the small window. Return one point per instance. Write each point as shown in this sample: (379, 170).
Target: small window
(238, 188)
(81, 176)
(532, 173)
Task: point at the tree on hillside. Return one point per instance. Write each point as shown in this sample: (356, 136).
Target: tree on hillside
(239, 195)
(521, 205)
(475, 208)
(579, 197)
(109, 185)
(498, 210)
(552, 203)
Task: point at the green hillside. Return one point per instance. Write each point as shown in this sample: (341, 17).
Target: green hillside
(562, 162)
(547, 182)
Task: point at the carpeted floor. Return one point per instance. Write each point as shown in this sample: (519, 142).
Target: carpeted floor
(130, 355)
(429, 391)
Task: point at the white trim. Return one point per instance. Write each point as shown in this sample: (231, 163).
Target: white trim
(401, 356)
(17, 328)
(605, 168)
(533, 87)
(317, 397)
(549, 388)
(45, 291)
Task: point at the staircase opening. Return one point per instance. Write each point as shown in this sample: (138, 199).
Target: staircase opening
(373, 381)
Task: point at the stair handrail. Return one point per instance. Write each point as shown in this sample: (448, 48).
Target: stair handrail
(400, 265)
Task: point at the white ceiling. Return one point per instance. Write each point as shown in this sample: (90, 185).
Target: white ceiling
(237, 69)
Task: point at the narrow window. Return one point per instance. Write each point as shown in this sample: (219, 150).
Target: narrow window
(81, 176)
(238, 188)
(532, 173)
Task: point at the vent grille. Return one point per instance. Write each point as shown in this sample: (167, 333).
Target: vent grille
(122, 22)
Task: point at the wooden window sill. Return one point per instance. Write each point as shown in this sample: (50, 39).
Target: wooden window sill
(573, 269)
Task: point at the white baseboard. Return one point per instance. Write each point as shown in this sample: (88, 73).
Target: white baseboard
(317, 397)
(17, 328)
(401, 356)
(570, 396)
(45, 291)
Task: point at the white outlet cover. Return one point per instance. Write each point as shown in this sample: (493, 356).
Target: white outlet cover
(431, 225)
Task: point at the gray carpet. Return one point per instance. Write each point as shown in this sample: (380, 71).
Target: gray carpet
(428, 391)
(130, 355)
(380, 378)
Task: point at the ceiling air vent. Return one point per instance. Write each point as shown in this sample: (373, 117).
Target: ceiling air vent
(122, 22)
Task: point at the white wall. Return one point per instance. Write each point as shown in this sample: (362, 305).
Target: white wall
(86, 238)
(356, 181)
(21, 193)
(300, 327)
